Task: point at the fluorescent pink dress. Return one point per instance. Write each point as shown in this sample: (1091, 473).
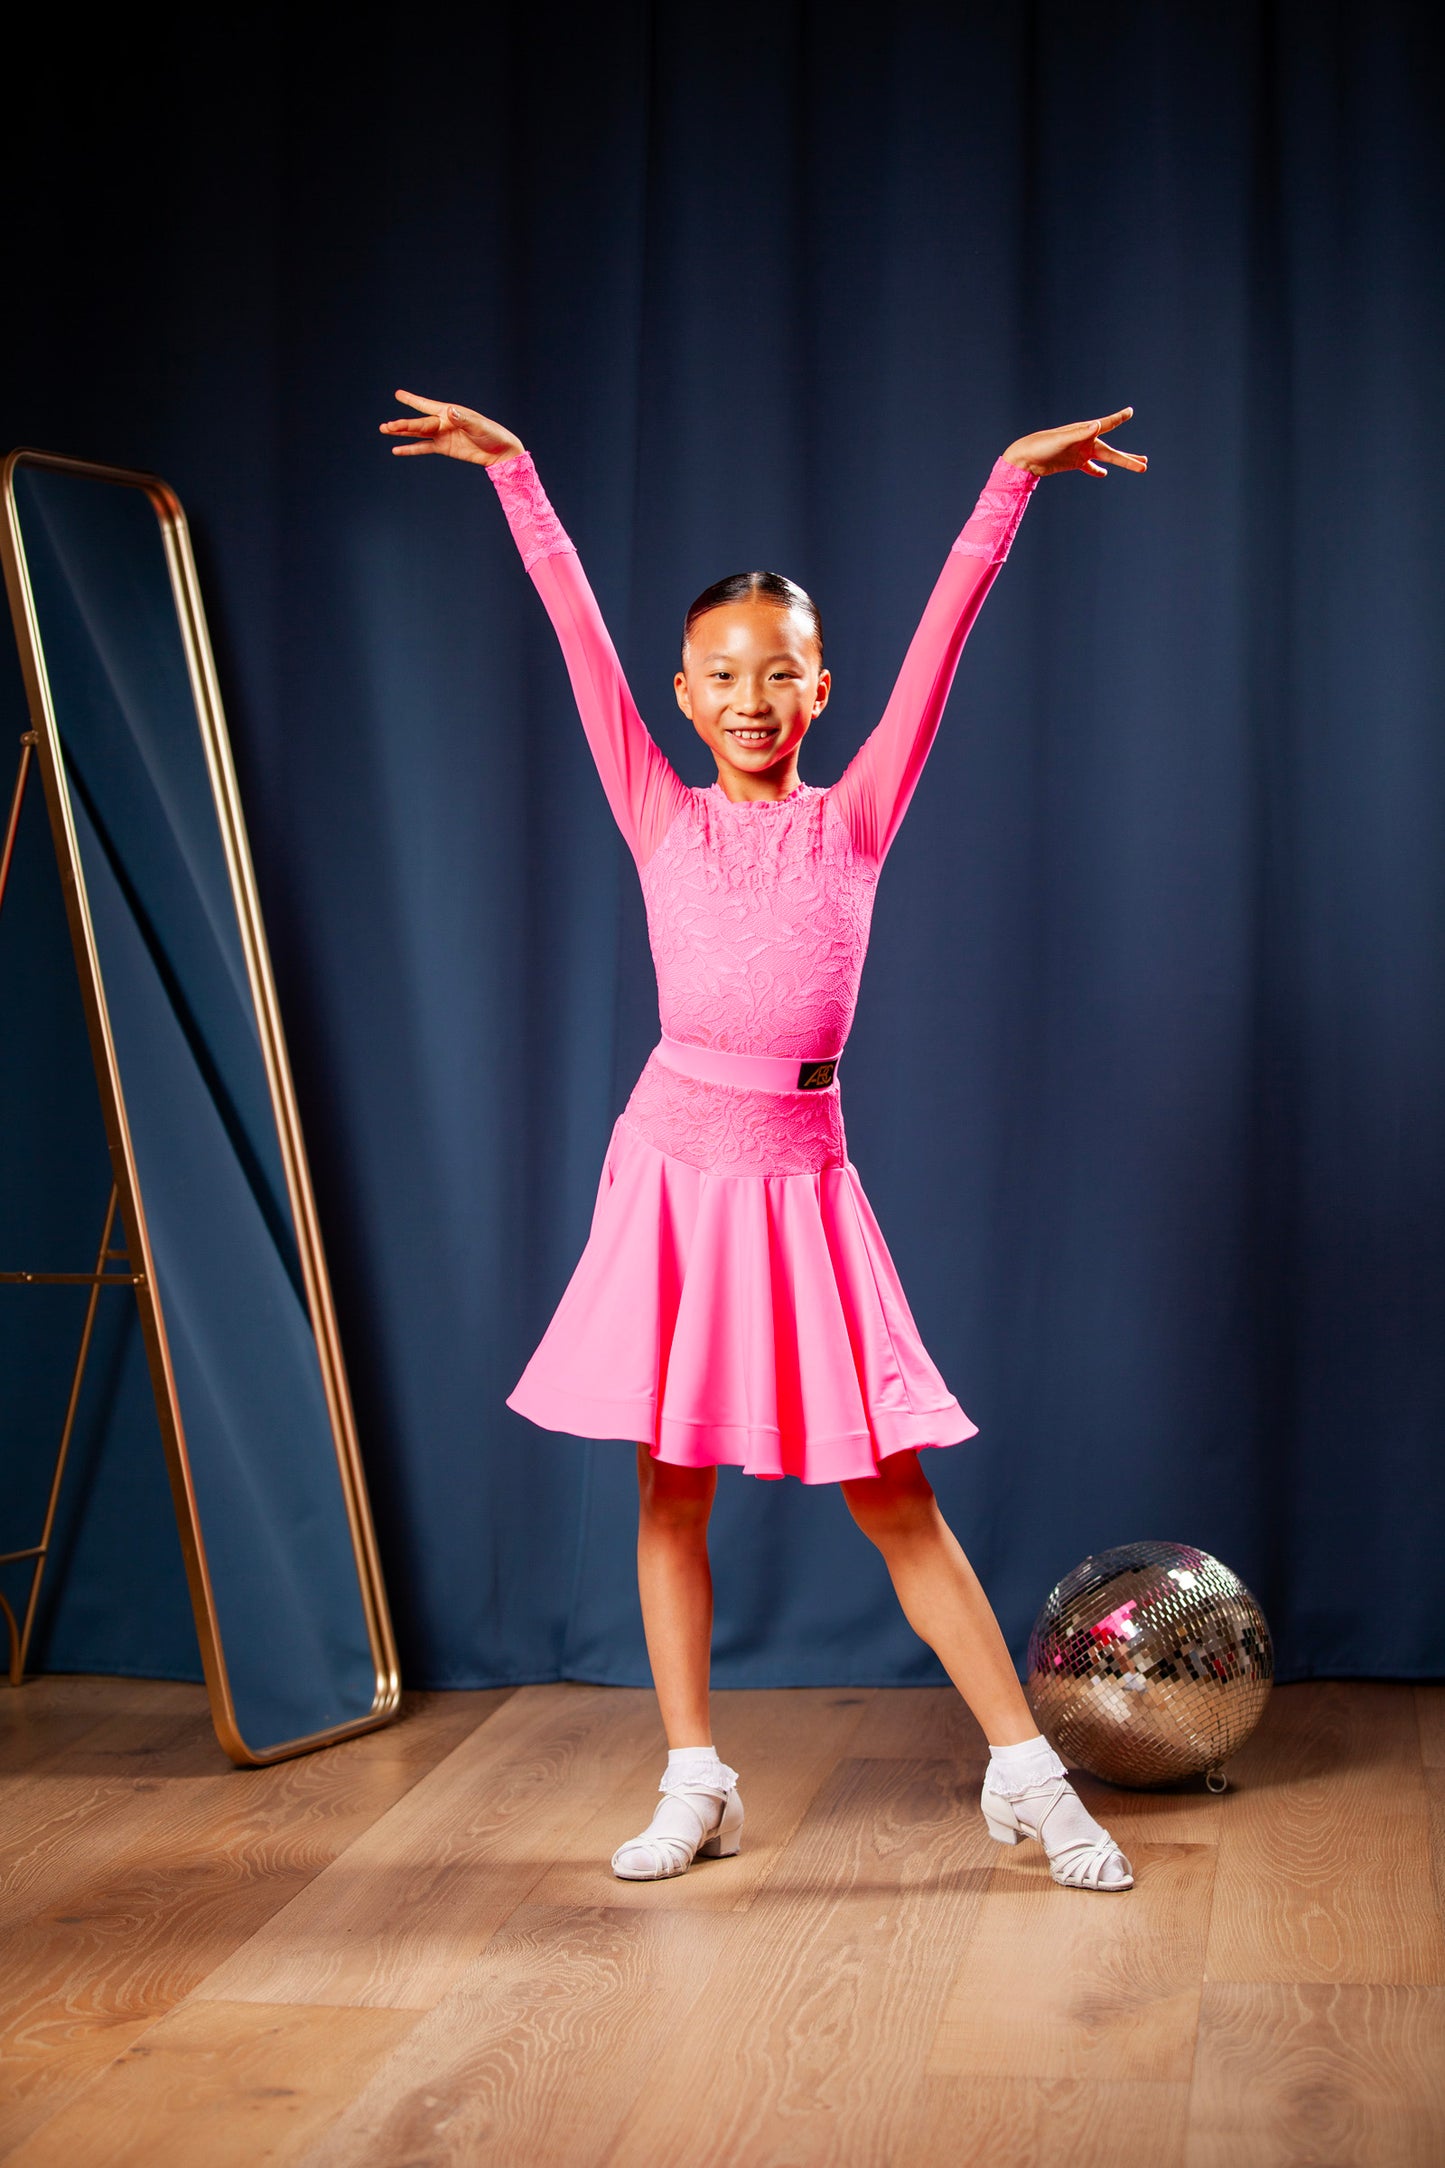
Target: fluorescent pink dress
(735, 1302)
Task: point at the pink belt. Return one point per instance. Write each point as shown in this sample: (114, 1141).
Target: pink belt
(749, 1072)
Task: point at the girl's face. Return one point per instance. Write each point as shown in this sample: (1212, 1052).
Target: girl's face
(751, 683)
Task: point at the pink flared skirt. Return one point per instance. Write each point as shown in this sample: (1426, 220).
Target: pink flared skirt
(742, 1318)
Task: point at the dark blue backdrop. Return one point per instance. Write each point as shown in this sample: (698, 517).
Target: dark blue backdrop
(1147, 1077)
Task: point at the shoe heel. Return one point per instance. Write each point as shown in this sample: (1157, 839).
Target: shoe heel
(728, 1836)
(1001, 1831)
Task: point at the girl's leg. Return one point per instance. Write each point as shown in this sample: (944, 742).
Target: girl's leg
(674, 1581)
(700, 1808)
(945, 1605)
(942, 1597)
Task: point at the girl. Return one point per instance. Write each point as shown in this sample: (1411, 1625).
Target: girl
(735, 1302)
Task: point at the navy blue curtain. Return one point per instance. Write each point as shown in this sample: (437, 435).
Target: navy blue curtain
(1147, 1075)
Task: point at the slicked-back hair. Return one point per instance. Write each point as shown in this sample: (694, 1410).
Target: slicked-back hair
(738, 586)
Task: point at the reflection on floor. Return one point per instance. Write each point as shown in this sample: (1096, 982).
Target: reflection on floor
(409, 1949)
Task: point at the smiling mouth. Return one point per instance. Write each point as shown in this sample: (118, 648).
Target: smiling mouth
(751, 737)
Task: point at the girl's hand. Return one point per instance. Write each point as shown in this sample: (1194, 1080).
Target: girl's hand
(1077, 444)
(457, 431)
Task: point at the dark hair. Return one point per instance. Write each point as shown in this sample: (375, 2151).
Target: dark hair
(737, 585)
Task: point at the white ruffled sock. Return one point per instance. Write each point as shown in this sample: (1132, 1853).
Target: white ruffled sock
(1015, 1769)
(679, 1756)
(697, 1771)
(1025, 1774)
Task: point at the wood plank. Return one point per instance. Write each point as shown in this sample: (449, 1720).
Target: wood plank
(784, 1745)
(542, 2045)
(1082, 1984)
(168, 1732)
(1042, 2123)
(46, 1718)
(812, 2035)
(230, 2084)
(93, 1798)
(1435, 1810)
(82, 1724)
(36, 2080)
(1303, 2074)
(428, 1725)
(61, 1695)
(48, 1828)
(919, 1723)
(88, 1800)
(62, 1826)
(395, 1922)
(1324, 1855)
(1430, 1719)
(129, 1932)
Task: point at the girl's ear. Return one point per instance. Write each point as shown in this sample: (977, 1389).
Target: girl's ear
(825, 686)
(679, 686)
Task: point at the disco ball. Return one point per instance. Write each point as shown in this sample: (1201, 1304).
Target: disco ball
(1148, 1663)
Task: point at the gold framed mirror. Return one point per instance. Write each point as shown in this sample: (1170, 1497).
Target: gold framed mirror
(213, 1190)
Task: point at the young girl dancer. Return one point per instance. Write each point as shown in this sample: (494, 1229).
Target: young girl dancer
(735, 1302)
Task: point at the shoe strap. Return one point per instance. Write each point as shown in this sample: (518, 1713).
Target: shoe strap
(663, 1852)
(665, 1845)
(1085, 1862)
(1103, 1845)
(1057, 1786)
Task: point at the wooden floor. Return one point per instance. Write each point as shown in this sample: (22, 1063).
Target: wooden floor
(409, 1949)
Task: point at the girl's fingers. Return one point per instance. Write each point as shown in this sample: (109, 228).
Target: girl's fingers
(1091, 466)
(1137, 460)
(410, 451)
(427, 406)
(1112, 421)
(479, 425)
(403, 425)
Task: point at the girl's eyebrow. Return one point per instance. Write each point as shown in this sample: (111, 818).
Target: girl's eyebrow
(783, 655)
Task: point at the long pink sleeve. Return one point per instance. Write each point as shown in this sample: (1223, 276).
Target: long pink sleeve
(873, 792)
(643, 789)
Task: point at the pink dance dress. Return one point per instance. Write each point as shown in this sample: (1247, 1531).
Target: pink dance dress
(735, 1302)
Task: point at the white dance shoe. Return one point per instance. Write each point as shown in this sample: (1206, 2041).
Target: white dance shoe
(700, 1816)
(1081, 1853)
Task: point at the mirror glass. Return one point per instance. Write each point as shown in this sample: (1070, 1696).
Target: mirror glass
(275, 1504)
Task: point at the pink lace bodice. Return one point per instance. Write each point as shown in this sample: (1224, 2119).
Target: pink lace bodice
(758, 916)
(758, 913)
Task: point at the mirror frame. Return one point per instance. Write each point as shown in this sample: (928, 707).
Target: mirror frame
(210, 718)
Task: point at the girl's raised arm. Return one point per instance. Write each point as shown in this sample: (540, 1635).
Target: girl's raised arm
(874, 790)
(643, 789)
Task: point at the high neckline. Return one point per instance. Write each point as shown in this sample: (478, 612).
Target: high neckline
(789, 797)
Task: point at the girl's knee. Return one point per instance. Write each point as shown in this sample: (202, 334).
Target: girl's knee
(895, 1503)
(672, 1497)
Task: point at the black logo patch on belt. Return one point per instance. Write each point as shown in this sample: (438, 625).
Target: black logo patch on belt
(816, 1076)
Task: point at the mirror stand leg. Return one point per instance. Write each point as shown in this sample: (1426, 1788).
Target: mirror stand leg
(12, 826)
(38, 1553)
(17, 1662)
